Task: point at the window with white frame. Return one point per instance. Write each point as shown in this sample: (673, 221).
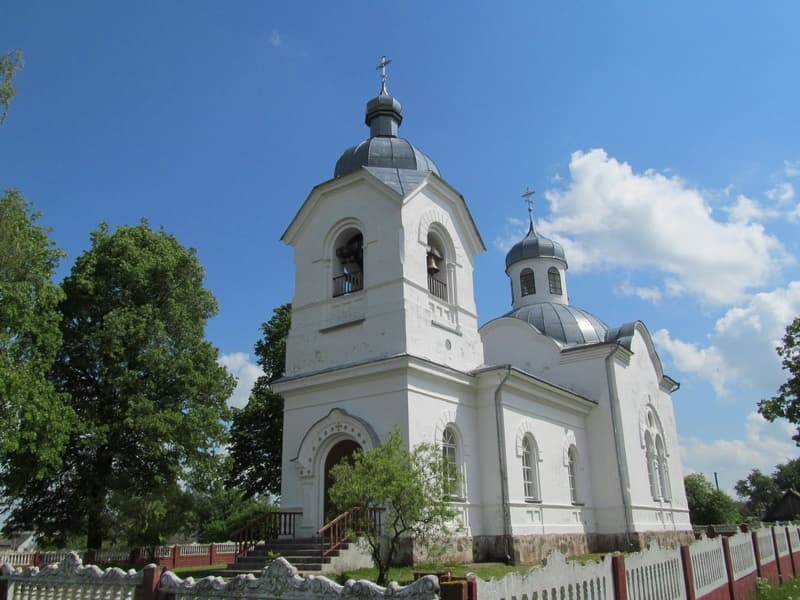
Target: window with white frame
(652, 466)
(527, 282)
(530, 469)
(663, 471)
(452, 481)
(554, 279)
(572, 466)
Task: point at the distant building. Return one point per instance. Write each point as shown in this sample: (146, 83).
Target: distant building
(561, 427)
(787, 508)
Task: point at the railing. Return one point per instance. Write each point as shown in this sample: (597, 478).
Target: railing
(347, 524)
(347, 283)
(437, 288)
(269, 526)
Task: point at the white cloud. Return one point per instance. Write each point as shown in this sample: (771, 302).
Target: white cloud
(275, 38)
(610, 216)
(513, 231)
(746, 210)
(791, 168)
(246, 373)
(650, 294)
(741, 348)
(783, 192)
(794, 215)
(764, 446)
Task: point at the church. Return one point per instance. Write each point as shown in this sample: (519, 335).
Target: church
(561, 427)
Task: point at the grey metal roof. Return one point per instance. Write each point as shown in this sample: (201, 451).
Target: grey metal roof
(402, 181)
(388, 152)
(566, 324)
(534, 246)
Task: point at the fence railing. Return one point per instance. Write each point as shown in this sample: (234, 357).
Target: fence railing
(348, 283)
(269, 526)
(348, 524)
(720, 568)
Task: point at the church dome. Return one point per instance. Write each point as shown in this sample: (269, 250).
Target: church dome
(534, 245)
(383, 148)
(567, 325)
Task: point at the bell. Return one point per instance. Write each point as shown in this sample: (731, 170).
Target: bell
(433, 266)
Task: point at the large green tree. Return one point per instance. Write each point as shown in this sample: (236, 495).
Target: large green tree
(410, 485)
(708, 505)
(257, 429)
(786, 403)
(149, 394)
(9, 65)
(761, 491)
(36, 421)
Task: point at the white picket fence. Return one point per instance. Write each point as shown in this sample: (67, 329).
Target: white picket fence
(558, 579)
(708, 565)
(655, 574)
(742, 555)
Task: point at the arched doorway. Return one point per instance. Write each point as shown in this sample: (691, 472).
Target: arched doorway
(341, 451)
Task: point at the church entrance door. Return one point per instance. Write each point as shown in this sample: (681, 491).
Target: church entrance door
(342, 451)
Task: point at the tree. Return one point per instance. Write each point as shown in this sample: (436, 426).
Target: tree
(36, 420)
(409, 485)
(9, 65)
(148, 392)
(708, 505)
(759, 492)
(786, 404)
(257, 429)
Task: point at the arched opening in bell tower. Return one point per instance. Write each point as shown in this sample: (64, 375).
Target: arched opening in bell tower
(341, 452)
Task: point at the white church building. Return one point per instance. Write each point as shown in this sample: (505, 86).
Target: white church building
(562, 428)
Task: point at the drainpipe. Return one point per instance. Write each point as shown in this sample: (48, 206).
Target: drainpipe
(501, 452)
(624, 483)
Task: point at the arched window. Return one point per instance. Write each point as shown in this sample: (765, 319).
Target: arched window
(663, 472)
(652, 465)
(554, 279)
(452, 480)
(572, 465)
(348, 267)
(526, 282)
(530, 469)
(435, 264)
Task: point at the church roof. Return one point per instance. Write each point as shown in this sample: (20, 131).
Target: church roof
(383, 148)
(534, 245)
(568, 325)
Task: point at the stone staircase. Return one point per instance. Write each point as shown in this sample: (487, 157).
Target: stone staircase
(304, 554)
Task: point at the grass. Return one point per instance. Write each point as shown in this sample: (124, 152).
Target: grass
(788, 591)
(199, 571)
(404, 575)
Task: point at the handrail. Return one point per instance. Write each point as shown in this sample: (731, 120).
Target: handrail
(269, 526)
(350, 523)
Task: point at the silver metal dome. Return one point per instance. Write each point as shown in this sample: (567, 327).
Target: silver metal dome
(534, 246)
(384, 148)
(566, 324)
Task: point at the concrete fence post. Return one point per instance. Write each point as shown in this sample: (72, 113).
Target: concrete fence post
(212, 554)
(5, 586)
(794, 553)
(726, 555)
(757, 553)
(688, 572)
(151, 578)
(782, 577)
(176, 552)
(618, 577)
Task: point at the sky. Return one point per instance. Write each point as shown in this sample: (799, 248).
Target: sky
(662, 139)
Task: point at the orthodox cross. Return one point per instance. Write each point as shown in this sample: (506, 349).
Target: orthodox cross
(382, 66)
(528, 195)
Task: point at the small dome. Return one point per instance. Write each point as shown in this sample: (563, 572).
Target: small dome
(393, 152)
(534, 246)
(384, 148)
(566, 324)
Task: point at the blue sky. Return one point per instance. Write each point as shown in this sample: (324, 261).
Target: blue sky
(662, 140)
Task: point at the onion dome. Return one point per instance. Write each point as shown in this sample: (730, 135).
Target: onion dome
(534, 245)
(383, 148)
(567, 325)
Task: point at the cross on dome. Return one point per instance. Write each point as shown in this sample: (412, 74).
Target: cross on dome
(528, 195)
(382, 66)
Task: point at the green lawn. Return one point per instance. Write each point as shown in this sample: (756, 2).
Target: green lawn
(787, 591)
(198, 572)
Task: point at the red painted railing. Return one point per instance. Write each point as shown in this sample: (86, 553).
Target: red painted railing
(269, 526)
(346, 525)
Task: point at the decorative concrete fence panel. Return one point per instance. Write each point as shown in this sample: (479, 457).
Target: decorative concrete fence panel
(742, 556)
(766, 551)
(69, 580)
(227, 548)
(280, 580)
(557, 580)
(115, 555)
(655, 574)
(708, 565)
(780, 541)
(794, 538)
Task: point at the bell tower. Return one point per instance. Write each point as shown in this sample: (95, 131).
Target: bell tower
(384, 257)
